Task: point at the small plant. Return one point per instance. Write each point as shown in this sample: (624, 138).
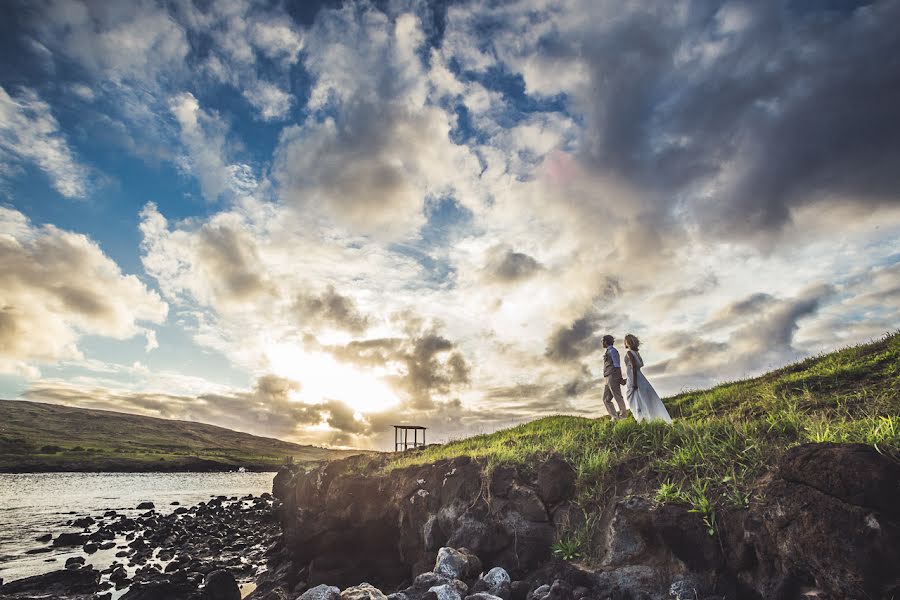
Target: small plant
(702, 505)
(669, 492)
(568, 548)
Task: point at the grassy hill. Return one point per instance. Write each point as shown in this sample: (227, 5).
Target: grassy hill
(722, 440)
(48, 437)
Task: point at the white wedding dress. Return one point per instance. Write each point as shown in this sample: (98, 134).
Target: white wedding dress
(642, 399)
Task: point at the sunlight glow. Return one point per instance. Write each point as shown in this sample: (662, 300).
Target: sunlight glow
(323, 378)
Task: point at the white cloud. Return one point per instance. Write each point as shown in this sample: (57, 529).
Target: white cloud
(56, 286)
(271, 102)
(203, 134)
(30, 133)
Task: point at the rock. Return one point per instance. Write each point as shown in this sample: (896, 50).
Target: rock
(423, 581)
(443, 592)
(518, 590)
(44, 538)
(156, 590)
(146, 506)
(560, 590)
(363, 591)
(457, 564)
(54, 584)
(220, 585)
(830, 515)
(482, 596)
(89, 548)
(539, 593)
(83, 522)
(496, 577)
(555, 480)
(74, 562)
(70, 539)
(321, 592)
(118, 574)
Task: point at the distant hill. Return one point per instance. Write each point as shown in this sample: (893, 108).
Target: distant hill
(37, 437)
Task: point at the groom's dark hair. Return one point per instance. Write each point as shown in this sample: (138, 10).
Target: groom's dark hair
(608, 340)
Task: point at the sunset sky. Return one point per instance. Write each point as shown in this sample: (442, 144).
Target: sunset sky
(312, 221)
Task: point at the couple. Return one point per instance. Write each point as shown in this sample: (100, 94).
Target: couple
(643, 401)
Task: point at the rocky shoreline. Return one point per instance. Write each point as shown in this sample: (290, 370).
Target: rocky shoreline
(198, 552)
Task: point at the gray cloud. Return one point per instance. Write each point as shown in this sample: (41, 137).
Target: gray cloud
(572, 342)
(506, 266)
(231, 262)
(429, 364)
(763, 336)
(330, 308)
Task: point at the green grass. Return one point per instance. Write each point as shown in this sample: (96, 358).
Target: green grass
(47, 437)
(722, 440)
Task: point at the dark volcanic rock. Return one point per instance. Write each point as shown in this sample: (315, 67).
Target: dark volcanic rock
(555, 480)
(54, 584)
(71, 539)
(145, 506)
(220, 585)
(348, 524)
(830, 515)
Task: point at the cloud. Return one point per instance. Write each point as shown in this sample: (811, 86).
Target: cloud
(762, 336)
(30, 133)
(330, 308)
(57, 286)
(426, 364)
(270, 100)
(369, 109)
(203, 135)
(506, 266)
(574, 341)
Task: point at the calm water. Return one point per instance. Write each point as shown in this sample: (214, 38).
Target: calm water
(33, 504)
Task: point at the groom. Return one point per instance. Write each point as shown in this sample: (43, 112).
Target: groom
(612, 372)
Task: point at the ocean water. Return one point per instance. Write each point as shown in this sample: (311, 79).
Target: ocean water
(34, 504)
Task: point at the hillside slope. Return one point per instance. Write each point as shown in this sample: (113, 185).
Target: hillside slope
(48, 437)
(722, 440)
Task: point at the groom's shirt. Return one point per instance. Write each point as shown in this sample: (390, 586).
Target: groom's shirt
(614, 356)
(611, 363)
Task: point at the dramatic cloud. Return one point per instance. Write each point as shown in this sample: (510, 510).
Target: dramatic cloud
(431, 212)
(332, 309)
(56, 286)
(30, 134)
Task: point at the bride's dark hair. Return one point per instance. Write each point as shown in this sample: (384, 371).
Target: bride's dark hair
(632, 341)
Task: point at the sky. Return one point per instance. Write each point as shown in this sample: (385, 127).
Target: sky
(313, 221)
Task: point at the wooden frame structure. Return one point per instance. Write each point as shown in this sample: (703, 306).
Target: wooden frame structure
(401, 437)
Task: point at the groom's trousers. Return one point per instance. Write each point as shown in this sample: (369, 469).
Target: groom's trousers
(612, 390)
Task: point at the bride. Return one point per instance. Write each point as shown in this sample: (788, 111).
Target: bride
(643, 401)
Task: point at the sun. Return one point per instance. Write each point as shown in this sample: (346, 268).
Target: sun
(323, 378)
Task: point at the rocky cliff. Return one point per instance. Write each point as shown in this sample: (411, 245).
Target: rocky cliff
(825, 523)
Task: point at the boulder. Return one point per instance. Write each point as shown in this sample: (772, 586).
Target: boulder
(146, 506)
(457, 564)
(54, 584)
(830, 517)
(321, 592)
(220, 585)
(70, 539)
(495, 582)
(74, 562)
(555, 480)
(363, 591)
(443, 592)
